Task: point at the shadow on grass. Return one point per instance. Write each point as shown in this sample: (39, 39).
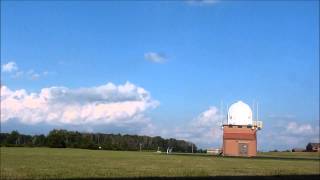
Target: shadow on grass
(285, 177)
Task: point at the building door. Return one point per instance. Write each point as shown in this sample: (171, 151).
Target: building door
(243, 149)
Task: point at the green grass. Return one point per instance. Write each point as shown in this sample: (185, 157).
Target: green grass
(35, 163)
(305, 155)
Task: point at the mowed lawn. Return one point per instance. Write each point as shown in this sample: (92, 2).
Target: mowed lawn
(41, 163)
(304, 155)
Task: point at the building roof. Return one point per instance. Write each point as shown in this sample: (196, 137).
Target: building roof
(314, 144)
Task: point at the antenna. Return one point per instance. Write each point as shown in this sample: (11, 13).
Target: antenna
(227, 114)
(253, 111)
(257, 111)
(221, 112)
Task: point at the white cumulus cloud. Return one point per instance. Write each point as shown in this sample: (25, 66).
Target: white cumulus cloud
(205, 130)
(106, 104)
(9, 67)
(15, 72)
(288, 134)
(155, 57)
(302, 129)
(31, 74)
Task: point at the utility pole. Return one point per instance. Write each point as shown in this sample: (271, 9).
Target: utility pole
(192, 148)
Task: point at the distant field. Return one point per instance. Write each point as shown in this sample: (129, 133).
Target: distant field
(306, 155)
(39, 163)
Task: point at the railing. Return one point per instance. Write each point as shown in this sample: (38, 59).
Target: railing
(258, 124)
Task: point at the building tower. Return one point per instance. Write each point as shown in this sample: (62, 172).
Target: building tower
(240, 132)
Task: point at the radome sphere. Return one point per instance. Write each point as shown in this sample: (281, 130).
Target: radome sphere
(240, 114)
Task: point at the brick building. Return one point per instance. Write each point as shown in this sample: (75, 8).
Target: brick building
(313, 147)
(240, 132)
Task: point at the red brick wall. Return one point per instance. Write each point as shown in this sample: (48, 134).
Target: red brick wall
(234, 135)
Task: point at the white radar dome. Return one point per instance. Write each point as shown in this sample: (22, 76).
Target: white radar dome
(240, 114)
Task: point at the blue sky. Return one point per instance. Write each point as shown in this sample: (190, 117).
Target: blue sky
(188, 55)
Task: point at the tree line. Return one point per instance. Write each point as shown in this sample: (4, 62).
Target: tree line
(59, 138)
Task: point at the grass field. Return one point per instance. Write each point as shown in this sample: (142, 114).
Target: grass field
(304, 155)
(35, 163)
